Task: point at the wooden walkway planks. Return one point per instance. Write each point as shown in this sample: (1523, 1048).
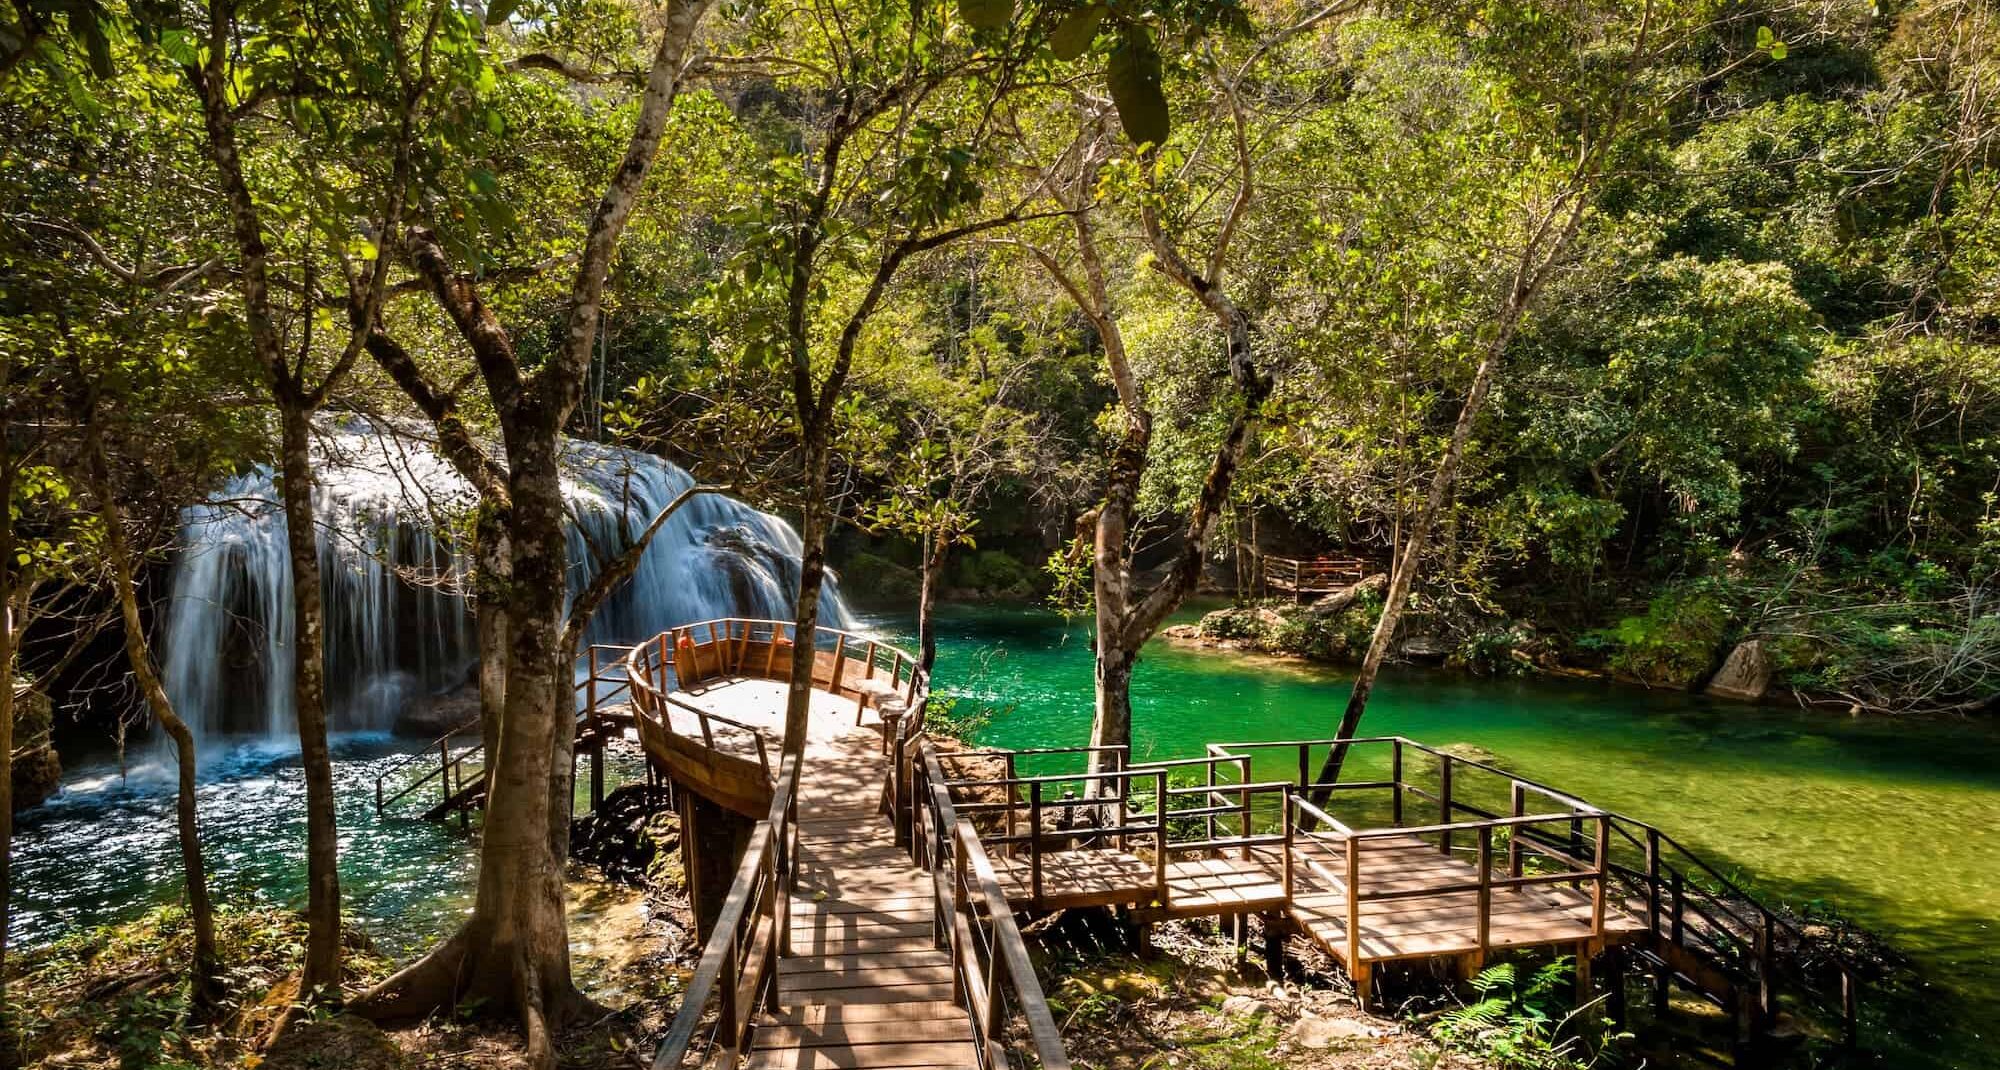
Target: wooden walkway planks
(864, 986)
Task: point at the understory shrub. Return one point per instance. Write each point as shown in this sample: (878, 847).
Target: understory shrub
(876, 578)
(1676, 642)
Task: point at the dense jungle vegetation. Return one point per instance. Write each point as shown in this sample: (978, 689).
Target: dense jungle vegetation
(1614, 332)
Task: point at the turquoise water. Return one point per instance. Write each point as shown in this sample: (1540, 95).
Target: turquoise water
(1896, 824)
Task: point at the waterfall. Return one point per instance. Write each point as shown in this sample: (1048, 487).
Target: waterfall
(397, 626)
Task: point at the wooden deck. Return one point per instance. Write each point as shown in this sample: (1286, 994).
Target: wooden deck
(834, 947)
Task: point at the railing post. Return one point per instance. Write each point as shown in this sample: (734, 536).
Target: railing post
(1035, 842)
(1485, 889)
(1285, 804)
(1653, 881)
(1353, 905)
(1012, 790)
(1519, 804)
(727, 1027)
(1598, 886)
(444, 768)
(1444, 801)
(1207, 802)
(1305, 765)
(1766, 997)
(1160, 854)
(1396, 776)
(1122, 787)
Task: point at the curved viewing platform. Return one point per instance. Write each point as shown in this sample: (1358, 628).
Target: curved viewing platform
(709, 699)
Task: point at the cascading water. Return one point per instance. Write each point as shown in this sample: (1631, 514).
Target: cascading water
(397, 627)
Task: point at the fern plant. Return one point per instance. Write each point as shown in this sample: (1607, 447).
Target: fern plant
(1516, 1022)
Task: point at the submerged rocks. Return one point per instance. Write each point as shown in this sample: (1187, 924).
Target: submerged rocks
(1746, 675)
(634, 837)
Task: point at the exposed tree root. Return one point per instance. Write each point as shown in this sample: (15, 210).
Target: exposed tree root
(463, 967)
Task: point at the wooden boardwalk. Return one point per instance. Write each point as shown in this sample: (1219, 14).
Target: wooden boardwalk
(834, 948)
(864, 984)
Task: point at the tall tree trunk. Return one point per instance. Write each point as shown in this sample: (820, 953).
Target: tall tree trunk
(492, 564)
(816, 517)
(933, 564)
(1112, 597)
(320, 980)
(207, 971)
(10, 576)
(1405, 570)
(514, 951)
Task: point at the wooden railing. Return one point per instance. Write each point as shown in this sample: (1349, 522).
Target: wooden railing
(739, 965)
(991, 972)
(846, 663)
(455, 770)
(1312, 575)
(1705, 930)
(449, 772)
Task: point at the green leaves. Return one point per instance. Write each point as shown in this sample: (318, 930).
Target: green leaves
(1072, 36)
(1768, 43)
(498, 11)
(1133, 75)
(987, 14)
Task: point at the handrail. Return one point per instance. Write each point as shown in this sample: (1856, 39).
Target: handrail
(739, 962)
(450, 763)
(963, 880)
(1664, 885)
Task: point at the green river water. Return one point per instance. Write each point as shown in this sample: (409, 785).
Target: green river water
(1895, 824)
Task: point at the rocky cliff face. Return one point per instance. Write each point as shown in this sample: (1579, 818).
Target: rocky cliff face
(37, 769)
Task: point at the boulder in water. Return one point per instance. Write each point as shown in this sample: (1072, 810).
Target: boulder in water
(1746, 675)
(441, 713)
(37, 775)
(37, 769)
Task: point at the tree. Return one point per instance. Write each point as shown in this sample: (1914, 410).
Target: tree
(1179, 197)
(513, 951)
(1567, 117)
(887, 169)
(956, 432)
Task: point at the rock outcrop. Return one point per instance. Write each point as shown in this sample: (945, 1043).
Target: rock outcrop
(37, 769)
(1746, 675)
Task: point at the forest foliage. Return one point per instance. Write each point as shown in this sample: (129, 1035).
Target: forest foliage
(1623, 329)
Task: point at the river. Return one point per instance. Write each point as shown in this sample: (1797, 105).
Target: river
(1894, 823)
